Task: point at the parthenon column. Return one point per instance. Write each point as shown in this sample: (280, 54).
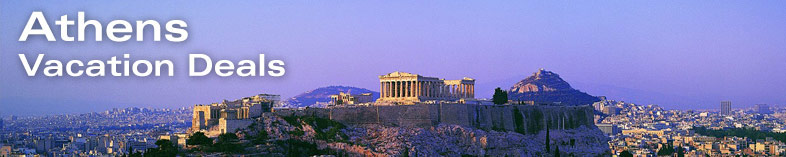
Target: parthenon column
(469, 90)
(446, 91)
(411, 88)
(420, 88)
(461, 90)
(398, 89)
(417, 88)
(452, 91)
(384, 90)
(428, 89)
(458, 91)
(387, 89)
(404, 89)
(425, 89)
(441, 90)
(390, 88)
(455, 90)
(436, 90)
(472, 89)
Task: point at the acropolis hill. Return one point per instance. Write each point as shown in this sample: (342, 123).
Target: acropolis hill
(409, 100)
(414, 115)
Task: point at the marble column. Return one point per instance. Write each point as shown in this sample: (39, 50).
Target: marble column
(453, 92)
(472, 91)
(398, 88)
(463, 90)
(387, 87)
(460, 90)
(417, 88)
(420, 88)
(411, 88)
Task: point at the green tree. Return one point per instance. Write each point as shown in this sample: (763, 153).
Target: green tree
(500, 96)
(666, 150)
(228, 143)
(261, 137)
(165, 149)
(626, 153)
(548, 139)
(199, 138)
(556, 151)
(227, 138)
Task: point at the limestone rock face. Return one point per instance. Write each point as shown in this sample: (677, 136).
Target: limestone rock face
(547, 86)
(440, 140)
(454, 140)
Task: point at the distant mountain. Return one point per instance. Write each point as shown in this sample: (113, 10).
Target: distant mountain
(546, 86)
(311, 97)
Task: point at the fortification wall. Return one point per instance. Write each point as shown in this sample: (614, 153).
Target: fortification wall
(519, 118)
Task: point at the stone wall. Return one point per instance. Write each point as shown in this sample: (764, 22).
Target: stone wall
(519, 118)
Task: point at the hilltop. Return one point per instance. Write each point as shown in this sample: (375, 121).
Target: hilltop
(547, 86)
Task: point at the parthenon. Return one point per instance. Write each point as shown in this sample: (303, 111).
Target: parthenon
(408, 88)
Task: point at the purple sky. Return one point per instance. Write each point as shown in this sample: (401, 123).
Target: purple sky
(677, 54)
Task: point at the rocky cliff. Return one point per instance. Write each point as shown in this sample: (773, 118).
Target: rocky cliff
(310, 135)
(546, 86)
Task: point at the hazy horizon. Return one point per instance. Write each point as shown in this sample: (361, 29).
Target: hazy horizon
(675, 54)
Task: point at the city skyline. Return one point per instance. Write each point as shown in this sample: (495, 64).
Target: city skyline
(678, 55)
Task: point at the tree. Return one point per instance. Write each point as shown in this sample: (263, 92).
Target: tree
(165, 149)
(199, 138)
(227, 137)
(548, 140)
(227, 142)
(666, 150)
(261, 137)
(556, 151)
(500, 96)
(626, 153)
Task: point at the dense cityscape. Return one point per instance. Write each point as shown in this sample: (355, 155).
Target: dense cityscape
(649, 130)
(117, 131)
